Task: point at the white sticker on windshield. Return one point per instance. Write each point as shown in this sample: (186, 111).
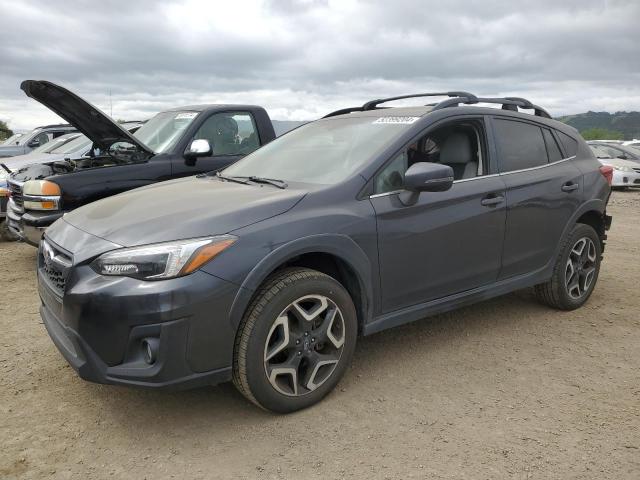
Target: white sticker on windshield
(183, 115)
(396, 120)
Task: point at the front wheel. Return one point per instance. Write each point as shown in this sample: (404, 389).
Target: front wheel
(575, 272)
(296, 340)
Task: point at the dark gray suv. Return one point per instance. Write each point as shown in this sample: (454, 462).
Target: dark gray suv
(267, 272)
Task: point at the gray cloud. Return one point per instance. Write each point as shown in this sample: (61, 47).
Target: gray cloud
(301, 59)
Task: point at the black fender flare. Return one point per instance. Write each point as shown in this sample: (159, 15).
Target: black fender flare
(340, 246)
(595, 204)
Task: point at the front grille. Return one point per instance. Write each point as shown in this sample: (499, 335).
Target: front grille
(16, 193)
(54, 265)
(637, 170)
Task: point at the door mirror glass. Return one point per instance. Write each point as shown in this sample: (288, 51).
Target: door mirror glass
(199, 148)
(428, 177)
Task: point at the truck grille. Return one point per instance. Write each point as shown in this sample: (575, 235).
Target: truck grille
(16, 193)
(54, 266)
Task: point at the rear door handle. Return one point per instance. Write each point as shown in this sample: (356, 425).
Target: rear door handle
(492, 200)
(570, 187)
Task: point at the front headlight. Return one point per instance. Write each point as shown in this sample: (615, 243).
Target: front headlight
(161, 261)
(622, 169)
(41, 195)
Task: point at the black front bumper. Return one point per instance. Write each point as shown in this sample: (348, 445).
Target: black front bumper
(99, 325)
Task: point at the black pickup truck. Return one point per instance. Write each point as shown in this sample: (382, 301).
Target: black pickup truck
(176, 143)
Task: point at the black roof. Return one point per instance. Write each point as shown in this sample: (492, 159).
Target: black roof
(212, 106)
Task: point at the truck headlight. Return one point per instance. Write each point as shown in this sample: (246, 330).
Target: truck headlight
(161, 261)
(41, 195)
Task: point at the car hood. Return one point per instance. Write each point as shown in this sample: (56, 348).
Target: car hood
(97, 126)
(17, 163)
(179, 209)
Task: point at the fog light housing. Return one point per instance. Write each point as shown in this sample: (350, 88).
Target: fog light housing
(150, 350)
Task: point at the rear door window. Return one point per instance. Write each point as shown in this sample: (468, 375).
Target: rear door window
(553, 150)
(521, 145)
(570, 144)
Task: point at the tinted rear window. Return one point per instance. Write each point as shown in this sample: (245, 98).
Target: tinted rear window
(521, 145)
(570, 144)
(552, 146)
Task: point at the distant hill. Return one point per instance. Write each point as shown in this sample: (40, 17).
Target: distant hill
(627, 123)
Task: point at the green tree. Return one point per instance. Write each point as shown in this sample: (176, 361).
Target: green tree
(601, 134)
(5, 131)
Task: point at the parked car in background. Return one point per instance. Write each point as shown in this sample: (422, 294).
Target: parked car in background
(626, 173)
(12, 139)
(72, 146)
(34, 139)
(266, 272)
(177, 143)
(611, 150)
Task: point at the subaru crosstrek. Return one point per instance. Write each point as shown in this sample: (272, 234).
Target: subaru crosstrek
(267, 272)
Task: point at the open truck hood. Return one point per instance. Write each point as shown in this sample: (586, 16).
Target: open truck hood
(97, 126)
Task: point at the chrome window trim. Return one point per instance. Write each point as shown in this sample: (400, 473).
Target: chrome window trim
(538, 167)
(377, 195)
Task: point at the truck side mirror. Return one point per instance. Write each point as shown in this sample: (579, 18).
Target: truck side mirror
(198, 148)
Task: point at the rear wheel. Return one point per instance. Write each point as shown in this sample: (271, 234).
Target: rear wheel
(576, 270)
(295, 341)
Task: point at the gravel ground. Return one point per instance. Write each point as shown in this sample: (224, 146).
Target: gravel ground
(504, 389)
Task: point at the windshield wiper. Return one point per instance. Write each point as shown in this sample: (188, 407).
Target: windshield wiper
(232, 179)
(270, 181)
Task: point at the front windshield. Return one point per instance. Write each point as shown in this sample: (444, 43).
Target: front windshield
(162, 132)
(324, 152)
(12, 139)
(75, 145)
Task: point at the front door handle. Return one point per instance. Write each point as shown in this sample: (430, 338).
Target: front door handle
(492, 200)
(570, 187)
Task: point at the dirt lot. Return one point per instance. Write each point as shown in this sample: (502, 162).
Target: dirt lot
(504, 389)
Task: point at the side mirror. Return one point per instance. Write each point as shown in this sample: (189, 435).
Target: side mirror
(622, 156)
(425, 177)
(198, 148)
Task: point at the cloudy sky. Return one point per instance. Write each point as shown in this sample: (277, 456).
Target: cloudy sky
(302, 59)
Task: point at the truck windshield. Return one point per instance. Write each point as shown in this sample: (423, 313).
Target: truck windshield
(164, 130)
(323, 152)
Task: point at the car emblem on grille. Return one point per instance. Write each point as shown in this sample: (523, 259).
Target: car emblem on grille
(50, 256)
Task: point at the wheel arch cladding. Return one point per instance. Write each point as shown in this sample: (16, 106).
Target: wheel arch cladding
(590, 211)
(335, 255)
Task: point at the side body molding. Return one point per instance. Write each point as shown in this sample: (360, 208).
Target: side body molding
(340, 246)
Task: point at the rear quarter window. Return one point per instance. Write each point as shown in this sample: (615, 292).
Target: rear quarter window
(570, 144)
(520, 145)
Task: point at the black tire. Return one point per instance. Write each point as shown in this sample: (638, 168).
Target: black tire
(5, 233)
(556, 292)
(277, 295)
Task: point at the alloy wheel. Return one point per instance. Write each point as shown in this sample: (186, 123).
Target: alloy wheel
(580, 268)
(304, 345)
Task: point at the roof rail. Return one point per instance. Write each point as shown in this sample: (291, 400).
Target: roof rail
(373, 104)
(456, 98)
(58, 125)
(508, 103)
